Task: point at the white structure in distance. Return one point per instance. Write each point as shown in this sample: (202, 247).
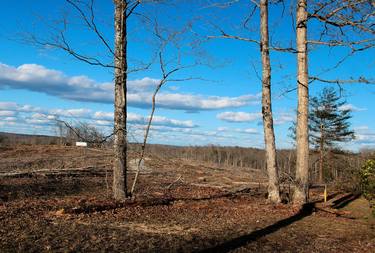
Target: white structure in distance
(81, 144)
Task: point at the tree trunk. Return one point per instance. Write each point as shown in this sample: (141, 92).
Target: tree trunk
(120, 132)
(302, 163)
(269, 135)
(321, 158)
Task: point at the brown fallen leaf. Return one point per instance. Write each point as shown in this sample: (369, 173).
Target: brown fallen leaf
(60, 212)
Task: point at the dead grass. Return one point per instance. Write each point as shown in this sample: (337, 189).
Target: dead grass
(207, 210)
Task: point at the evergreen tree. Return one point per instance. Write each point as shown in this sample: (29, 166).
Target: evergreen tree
(328, 124)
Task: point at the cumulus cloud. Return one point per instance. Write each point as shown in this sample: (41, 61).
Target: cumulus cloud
(351, 107)
(191, 132)
(248, 131)
(284, 117)
(12, 106)
(238, 130)
(7, 113)
(364, 135)
(239, 116)
(361, 128)
(42, 117)
(222, 129)
(38, 78)
(190, 102)
(134, 118)
(104, 115)
(75, 113)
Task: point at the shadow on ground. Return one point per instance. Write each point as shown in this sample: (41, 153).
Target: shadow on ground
(238, 242)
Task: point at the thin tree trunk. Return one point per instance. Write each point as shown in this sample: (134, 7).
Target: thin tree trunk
(321, 158)
(302, 163)
(269, 135)
(146, 136)
(120, 142)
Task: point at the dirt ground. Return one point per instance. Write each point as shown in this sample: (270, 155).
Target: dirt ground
(57, 199)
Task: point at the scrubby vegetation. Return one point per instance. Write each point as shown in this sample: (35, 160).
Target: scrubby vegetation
(367, 175)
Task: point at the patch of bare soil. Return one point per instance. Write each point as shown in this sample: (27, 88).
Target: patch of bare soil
(180, 207)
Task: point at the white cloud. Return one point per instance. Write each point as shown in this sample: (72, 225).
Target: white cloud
(10, 119)
(248, 131)
(363, 138)
(284, 117)
(364, 135)
(134, 118)
(361, 128)
(222, 129)
(12, 106)
(190, 102)
(104, 115)
(239, 116)
(7, 123)
(75, 113)
(238, 130)
(160, 120)
(37, 121)
(7, 113)
(103, 122)
(351, 108)
(38, 78)
(45, 117)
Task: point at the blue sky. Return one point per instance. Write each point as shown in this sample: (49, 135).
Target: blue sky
(39, 84)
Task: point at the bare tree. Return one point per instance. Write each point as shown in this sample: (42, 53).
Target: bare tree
(165, 78)
(120, 189)
(165, 38)
(123, 10)
(269, 135)
(343, 24)
(302, 131)
(81, 131)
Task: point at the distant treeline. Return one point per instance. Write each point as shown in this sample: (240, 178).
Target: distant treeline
(28, 139)
(341, 165)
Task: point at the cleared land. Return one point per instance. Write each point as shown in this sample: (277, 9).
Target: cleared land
(58, 199)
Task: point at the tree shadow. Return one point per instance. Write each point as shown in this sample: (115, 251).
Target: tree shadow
(42, 188)
(158, 201)
(345, 200)
(306, 210)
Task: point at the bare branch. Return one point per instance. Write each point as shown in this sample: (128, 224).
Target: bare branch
(99, 140)
(333, 43)
(90, 22)
(339, 81)
(235, 37)
(61, 43)
(131, 9)
(165, 78)
(221, 5)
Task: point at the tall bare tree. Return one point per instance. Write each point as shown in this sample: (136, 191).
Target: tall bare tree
(302, 131)
(269, 135)
(342, 24)
(123, 9)
(120, 114)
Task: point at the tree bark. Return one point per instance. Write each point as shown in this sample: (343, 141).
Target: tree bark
(302, 163)
(120, 115)
(269, 135)
(321, 158)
